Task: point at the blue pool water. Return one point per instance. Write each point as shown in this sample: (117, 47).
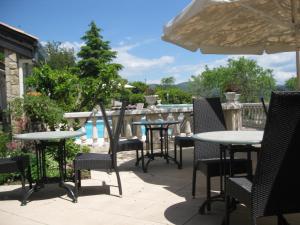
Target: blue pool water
(170, 106)
(89, 128)
(100, 128)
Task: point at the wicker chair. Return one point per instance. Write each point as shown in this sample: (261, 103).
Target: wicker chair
(275, 186)
(264, 105)
(182, 142)
(18, 165)
(96, 161)
(208, 116)
(133, 145)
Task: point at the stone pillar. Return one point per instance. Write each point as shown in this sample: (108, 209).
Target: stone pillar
(12, 75)
(233, 115)
(12, 83)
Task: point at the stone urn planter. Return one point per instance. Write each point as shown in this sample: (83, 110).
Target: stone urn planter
(230, 96)
(151, 100)
(237, 98)
(139, 105)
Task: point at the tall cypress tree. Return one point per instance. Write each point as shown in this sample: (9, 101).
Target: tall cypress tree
(99, 75)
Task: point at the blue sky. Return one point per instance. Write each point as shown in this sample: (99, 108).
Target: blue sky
(133, 27)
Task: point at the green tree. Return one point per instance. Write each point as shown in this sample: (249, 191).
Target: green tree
(251, 80)
(139, 87)
(173, 95)
(168, 81)
(98, 74)
(58, 57)
(60, 85)
(291, 84)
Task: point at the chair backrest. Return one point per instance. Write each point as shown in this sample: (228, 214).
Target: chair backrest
(208, 116)
(114, 135)
(264, 105)
(276, 182)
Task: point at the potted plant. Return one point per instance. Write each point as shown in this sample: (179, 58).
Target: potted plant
(231, 93)
(137, 99)
(150, 97)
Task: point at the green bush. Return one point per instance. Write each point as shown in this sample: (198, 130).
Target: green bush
(173, 95)
(42, 109)
(38, 108)
(4, 139)
(136, 98)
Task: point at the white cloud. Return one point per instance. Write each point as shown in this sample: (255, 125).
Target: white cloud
(135, 65)
(72, 45)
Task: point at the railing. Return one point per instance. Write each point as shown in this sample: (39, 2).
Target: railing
(232, 112)
(183, 115)
(253, 115)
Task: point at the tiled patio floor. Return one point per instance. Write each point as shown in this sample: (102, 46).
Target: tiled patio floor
(161, 196)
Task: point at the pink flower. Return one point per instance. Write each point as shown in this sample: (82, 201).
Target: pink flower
(12, 146)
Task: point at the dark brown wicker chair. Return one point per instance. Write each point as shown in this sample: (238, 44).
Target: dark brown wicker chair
(264, 105)
(133, 145)
(182, 142)
(18, 165)
(96, 161)
(208, 116)
(275, 187)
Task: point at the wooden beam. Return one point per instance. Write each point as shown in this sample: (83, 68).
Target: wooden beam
(29, 53)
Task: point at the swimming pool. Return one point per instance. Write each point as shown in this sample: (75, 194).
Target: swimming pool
(170, 106)
(100, 128)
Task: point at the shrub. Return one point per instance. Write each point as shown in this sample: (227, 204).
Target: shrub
(136, 98)
(4, 139)
(38, 109)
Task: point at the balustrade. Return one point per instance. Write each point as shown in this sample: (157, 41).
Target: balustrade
(253, 115)
(237, 115)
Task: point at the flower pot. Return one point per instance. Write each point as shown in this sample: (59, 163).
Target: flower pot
(230, 96)
(151, 100)
(139, 105)
(237, 98)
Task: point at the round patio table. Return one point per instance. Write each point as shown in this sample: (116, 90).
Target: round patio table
(162, 126)
(42, 140)
(231, 137)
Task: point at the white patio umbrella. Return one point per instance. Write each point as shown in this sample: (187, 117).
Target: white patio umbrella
(129, 86)
(238, 27)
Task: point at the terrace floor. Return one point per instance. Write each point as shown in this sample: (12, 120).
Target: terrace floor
(161, 196)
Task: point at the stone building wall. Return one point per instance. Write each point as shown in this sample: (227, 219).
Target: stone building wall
(12, 75)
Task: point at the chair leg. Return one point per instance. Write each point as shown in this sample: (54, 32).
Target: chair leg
(76, 181)
(79, 178)
(23, 180)
(208, 194)
(137, 158)
(143, 161)
(180, 157)
(194, 181)
(29, 177)
(281, 220)
(175, 153)
(119, 181)
(227, 210)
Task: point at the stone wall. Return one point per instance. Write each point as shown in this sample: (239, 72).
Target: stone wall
(12, 75)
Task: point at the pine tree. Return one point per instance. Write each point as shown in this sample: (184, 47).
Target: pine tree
(99, 75)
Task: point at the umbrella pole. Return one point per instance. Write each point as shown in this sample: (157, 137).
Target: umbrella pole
(298, 68)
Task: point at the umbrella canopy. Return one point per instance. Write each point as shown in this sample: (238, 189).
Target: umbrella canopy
(128, 86)
(237, 27)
